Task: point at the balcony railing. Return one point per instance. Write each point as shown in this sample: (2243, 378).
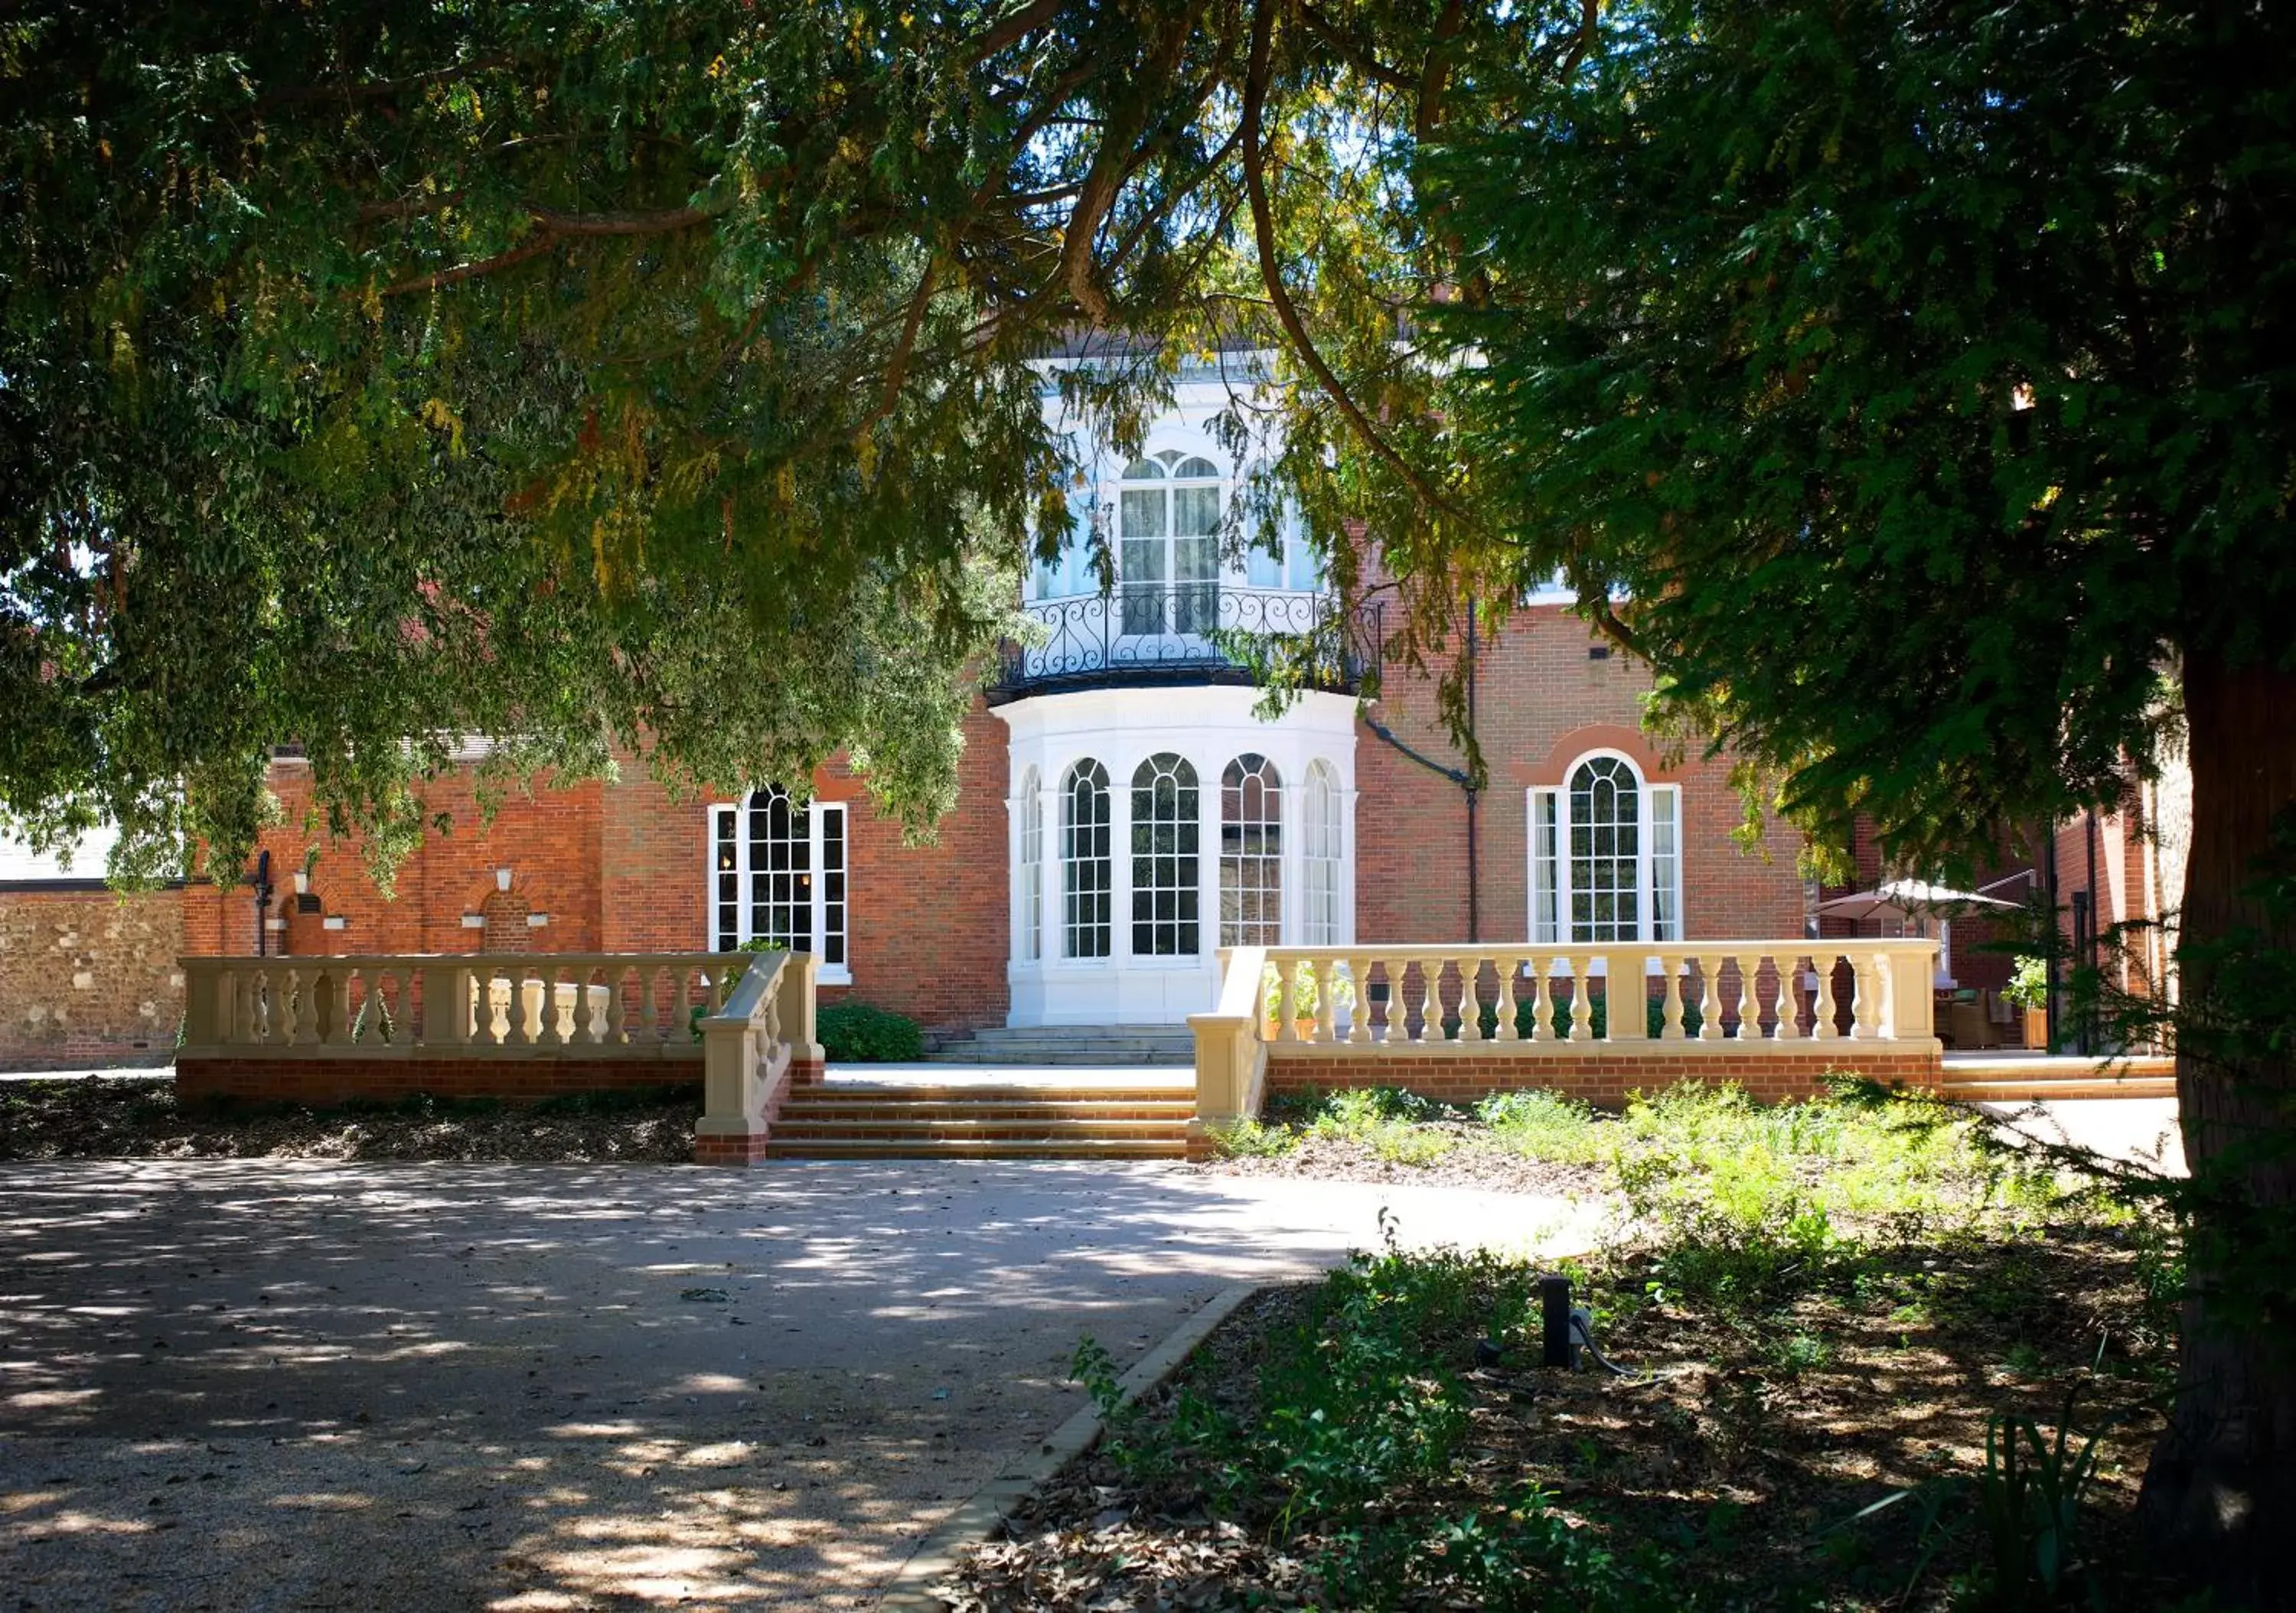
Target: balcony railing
(1188, 633)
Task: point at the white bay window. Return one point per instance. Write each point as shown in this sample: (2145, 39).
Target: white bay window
(1605, 855)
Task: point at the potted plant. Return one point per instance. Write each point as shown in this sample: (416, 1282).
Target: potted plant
(2028, 989)
(1307, 999)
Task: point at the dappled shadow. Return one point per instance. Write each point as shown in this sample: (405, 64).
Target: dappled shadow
(252, 1384)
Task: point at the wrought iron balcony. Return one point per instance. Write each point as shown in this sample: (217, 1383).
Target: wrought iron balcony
(1187, 632)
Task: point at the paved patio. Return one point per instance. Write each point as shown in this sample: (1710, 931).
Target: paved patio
(251, 1385)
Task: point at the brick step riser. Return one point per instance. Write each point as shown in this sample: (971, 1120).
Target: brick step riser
(994, 1116)
(794, 1136)
(962, 1098)
(951, 1151)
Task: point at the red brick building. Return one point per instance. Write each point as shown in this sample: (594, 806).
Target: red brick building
(1123, 812)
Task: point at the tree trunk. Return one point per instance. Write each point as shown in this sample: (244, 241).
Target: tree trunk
(2219, 1499)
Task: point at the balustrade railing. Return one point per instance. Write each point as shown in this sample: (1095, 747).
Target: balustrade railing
(1153, 629)
(751, 1045)
(1623, 1001)
(479, 1004)
(1710, 991)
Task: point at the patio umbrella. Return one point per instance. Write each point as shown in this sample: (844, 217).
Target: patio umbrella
(1914, 898)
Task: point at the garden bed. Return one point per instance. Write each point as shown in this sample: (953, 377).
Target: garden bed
(139, 1117)
(1816, 1311)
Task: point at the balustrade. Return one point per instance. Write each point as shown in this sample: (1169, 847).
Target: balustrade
(483, 1005)
(1639, 992)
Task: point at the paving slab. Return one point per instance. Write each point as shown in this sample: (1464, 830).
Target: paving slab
(257, 1385)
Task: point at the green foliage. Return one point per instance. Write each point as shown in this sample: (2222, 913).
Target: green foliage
(1386, 1119)
(1545, 1126)
(1914, 372)
(1359, 1424)
(856, 1033)
(2029, 984)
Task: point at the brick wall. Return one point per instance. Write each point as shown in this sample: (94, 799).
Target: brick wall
(1607, 1078)
(1542, 701)
(89, 977)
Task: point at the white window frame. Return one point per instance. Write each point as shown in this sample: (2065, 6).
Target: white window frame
(725, 824)
(1322, 848)
(1657, 806)
(1030, 859)
(1266, 894)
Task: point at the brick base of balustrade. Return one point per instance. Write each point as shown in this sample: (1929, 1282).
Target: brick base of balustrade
(319, 1082)
(1607, 1078)
(750, 1147)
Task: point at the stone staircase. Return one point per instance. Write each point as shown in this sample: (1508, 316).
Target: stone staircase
(1102, 1047)
(867, 1120)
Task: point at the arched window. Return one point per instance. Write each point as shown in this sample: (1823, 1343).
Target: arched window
(778, 872)
(1164, 851)
(1319, 829)
(1252, 853)
(1605, 863)
(1085, 861)
(1032, 868)
(1167, 544)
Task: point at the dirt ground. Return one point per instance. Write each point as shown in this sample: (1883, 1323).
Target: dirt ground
(136, 1117)
(1746, 1446)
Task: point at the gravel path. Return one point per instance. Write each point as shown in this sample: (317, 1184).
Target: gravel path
(258, 1384)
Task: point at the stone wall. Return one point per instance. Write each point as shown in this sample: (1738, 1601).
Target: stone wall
(89, 977)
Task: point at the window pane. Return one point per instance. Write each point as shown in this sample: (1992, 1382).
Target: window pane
(1032, 868)
(1165, 881)
(1605, 826)
(724, 855)
(1252, 853)
(1088, 877)
(780, 871)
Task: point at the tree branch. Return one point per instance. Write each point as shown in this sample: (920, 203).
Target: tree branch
(1271, 275)
(1354, 55)
(303, 94)
(1011, 30)
(533, 246)
(1436, 76)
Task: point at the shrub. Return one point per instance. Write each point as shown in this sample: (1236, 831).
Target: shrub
(856, 1033)
(1543, 1125)
(2029, 984)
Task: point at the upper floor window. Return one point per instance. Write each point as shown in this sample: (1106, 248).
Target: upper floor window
(1168, 519)
(1605, 857)
(778, 874)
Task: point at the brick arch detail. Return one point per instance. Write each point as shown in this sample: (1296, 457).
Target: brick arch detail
(506, 911)
(1593, 736)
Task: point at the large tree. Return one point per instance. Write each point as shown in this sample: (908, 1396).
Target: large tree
(1923, 372)
(634, 373)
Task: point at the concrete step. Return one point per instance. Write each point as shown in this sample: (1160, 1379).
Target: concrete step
(870, 1093)
(2047, 1089)
(1177, 1110)
(976, 1148)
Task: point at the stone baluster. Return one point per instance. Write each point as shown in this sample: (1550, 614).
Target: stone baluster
(1710, 997)
(1576, 1003)
(1861, 998)
(617, 1012)
(1327, 974)
(1510, 969)
(650, 1005)
(1542, 998)
(1824, 1024)
(1669, 1025)
(1727, 999)
(548, 1034)
(1287, 998)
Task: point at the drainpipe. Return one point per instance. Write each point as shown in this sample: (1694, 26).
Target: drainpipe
(1457, 776)
(2049, 883)
(262, 898)
(1475, 840)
